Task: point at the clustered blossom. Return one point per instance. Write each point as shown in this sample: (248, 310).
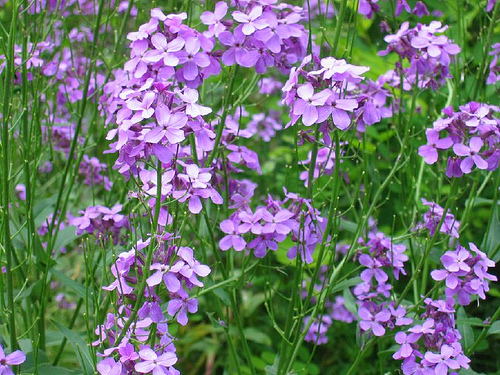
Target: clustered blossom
(164, 136)
(428, 51)
(102, 222)
(333, 91)
(375, 312)
(369, 7)
(173, 272)
(431, 220)
(156, 105)
(325, 164)
(91, 169)
(473, 134)
(267, 226)
(432, 347)
(494, 74)
(465, 273)
(60, 222)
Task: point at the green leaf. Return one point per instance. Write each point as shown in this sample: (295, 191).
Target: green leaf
(349, 226)
(223, 296)
(81, 349)
(350, 302)
(494, 328)
(469, 372)
(346, 284)
(474, 322)
(64, 237)
(251, 302)
(78, 288)
(29, 364)
(465, 329)
(492, 238)
(257, 336)
(48, 369)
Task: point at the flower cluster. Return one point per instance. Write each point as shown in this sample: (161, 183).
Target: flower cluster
(332, 91)
(438, 336)
(174, 271)
(155, 105)
(494, 75)
(325, 164)
(102, 222)
(91, 169)
(432, 218)
(60, 223)
(473, 133)
(369, 7)
(428, 51)
(269, 225)
(376, 314)
(465, 273)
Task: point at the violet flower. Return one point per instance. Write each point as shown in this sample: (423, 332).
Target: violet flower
(152, 363)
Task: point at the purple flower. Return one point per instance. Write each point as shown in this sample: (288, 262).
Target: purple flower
(455, 262)
(152, 363)
(405, 341)
(233, 239)
(373, 270)
(191, 267)
(192, 59)
(167, 273)
(109, 366)
(170, 126)
(250, 21)
(339, 109)
(13, 359)
(250, 222)
(21, 191)
(424, 329)
(213, 20)
(181, 305)
(471, 153)
(164, 50)
(278, 223)
(443, 361)
(420, 9)
(143, 109)
(308, 103)
(373, 322)
(190, 97)
(429, 151)
(197, 178)
(237, 53)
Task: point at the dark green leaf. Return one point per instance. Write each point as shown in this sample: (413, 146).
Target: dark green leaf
(75, 286)
(79, 346)
(257, 336)
(465, 329)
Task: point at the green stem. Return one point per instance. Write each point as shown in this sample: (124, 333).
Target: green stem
(7, 117)
(225, 111)
(484, 332)
(67, 169)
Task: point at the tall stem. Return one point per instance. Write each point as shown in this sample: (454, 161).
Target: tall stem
(7, 117)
